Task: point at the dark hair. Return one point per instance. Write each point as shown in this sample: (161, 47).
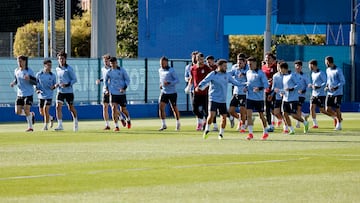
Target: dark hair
(221, 62)
(200, 54)
(163, 58)
(251, 58)
(62, 53)
(298, 62)
(313, 62)
(22, 57)
(194, 53)
(106, 56)
(46, 61)
(271, 55)
(211, 57)
(241, 55)
(113, 59)
(284, 65)
(330, 59)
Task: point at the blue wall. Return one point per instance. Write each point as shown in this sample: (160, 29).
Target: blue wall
(85, 112)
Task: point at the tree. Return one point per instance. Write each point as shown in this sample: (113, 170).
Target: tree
(252, 45)
(127, 28)
(26, 39)
(81, 35)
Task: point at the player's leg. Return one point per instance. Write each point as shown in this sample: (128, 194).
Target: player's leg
(163, 100)
(46, 108)
(105, 108)
(59, 104)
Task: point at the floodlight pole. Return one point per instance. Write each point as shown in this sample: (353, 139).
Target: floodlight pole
(352, 48)
(46, 34)
(68, 27)
(52, 29)
(267, 33)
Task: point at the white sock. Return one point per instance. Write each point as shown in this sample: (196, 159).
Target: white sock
(250, 128)
(60, 122)
(222, 131)
(315, 121)
(207, 127)
(338, 125)
(116, 124)
(106, 123)
(285, 127)
(199, 121)
(163, 123)
(291, 128)
(177, 122)
(215, 125)
(29, 121)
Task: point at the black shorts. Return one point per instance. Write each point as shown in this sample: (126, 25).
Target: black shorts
(168, 98)
(22, 101)
(318, 101)
(62, 97)
(290, 107)
(119, 99)
(200, 100)
(106, 98)
(255, 105)
(301, 101)
(277, 104)
(333, 101)
(238, 100)
(43, 102)
(215, 106)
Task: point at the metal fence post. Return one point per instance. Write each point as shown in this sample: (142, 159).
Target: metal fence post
(146, 80)
(11, 44)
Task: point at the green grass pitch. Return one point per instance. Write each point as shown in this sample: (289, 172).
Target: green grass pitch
(144, 165)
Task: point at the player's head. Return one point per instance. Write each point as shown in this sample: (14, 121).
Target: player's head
(113, 62)
(270, 58)
(210, 60)
(47, 65)
(62, 58)
(241, 58)
(164, 62)
(106, 59)
(313, 65)
(193, 56)
(329, 61)
(284, 67)
(222, 65)
(251, 61)
(22, 61)
(278, 65)
(200, 58)
(298, 65)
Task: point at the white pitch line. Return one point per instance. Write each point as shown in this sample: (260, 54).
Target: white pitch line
(118, 170)
(29, 177)
(238, 163)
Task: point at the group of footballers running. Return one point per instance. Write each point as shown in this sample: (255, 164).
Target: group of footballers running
(273, 91)
(114, 78)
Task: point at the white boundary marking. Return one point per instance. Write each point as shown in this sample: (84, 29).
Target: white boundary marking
(29, 177)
